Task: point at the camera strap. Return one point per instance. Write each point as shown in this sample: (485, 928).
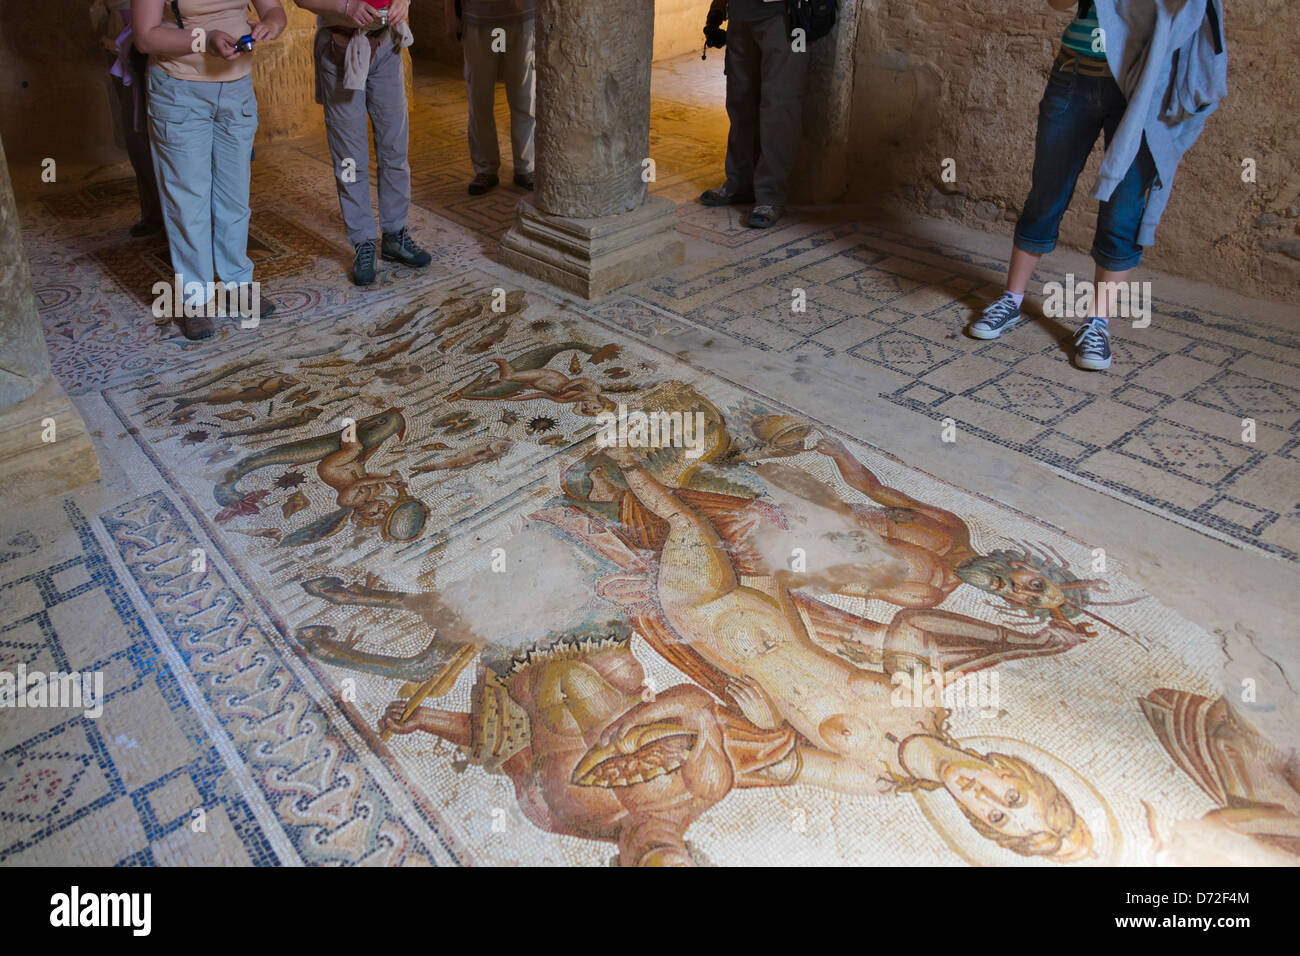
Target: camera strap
(176, 12)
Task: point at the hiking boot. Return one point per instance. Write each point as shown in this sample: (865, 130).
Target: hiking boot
(724, 195)
(363, 264)
(482, 183)
(764, 216)
(1092, 346)
(400, 247)
(524, 181)
(197, 327)
(997, 317)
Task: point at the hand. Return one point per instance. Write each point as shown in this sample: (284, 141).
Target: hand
(359, 13)
(397, 11)
(749, 696)
(222, 44)
(392, 723)
(830, 447)
(269, 27)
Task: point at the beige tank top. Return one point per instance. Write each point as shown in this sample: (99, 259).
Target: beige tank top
(229, 16)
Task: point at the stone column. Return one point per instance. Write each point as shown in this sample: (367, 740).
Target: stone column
(591, 226)
(31, 467)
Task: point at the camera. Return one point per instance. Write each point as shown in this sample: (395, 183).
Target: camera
(244, 44)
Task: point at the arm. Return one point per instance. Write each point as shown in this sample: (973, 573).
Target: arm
(152, 36)
(355, 13)
(857, 476)
(271, 20)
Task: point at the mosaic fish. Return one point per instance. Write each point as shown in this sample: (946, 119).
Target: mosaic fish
(383, 355)
(259, 392)
(225, 370)
(399, 322)
(491, 339)
(487, 451)
(292, 420)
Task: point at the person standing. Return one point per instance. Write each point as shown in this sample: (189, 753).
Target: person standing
(129, 70)
(202, 118)
(497, 39)
(765, 86)
(359, 74)
(1175, 73)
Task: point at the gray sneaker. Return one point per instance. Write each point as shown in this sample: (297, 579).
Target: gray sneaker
(764, 216)
(1092, 346)
(363, 263)
(997, 318)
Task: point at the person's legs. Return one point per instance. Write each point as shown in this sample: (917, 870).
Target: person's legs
(349, 144)
(136, 139)
(743, 65)
(520, 77)
(232, 155)
(1069, 120)
(783, 78)
(386, 101)
(181, 129)
(480, 87)
(1115, 249)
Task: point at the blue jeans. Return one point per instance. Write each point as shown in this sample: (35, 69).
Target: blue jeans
(1074, 109)
(202, 135)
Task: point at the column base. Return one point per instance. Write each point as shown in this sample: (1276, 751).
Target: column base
(591, 257)
(32, 470)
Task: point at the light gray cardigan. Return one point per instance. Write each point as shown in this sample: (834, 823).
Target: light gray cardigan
(1171, 62)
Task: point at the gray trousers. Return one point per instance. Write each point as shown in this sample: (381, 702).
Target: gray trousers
(384, 102)
(202, 136)
(515, 67)
(765, 85)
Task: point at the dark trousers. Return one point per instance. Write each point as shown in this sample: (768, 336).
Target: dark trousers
(137, 140)
(1074, 111)
(765, 84)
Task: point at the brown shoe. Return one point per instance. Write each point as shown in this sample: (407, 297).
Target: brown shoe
(196, 327)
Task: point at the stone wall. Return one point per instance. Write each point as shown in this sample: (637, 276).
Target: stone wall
(962, 78)
(56, 101)
(679, 27)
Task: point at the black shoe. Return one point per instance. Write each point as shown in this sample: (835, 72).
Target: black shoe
(146, 227)
(400, 247)
(725, 196)
(524, 181)
(363, 264)
(197, 327)
(482, 183)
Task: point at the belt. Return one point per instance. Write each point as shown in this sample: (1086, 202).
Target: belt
(1083, 65)
(343, 35)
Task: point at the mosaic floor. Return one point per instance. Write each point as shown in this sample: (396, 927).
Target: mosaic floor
(366, 588)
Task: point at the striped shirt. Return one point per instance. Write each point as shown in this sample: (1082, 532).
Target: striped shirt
(1084, 35)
